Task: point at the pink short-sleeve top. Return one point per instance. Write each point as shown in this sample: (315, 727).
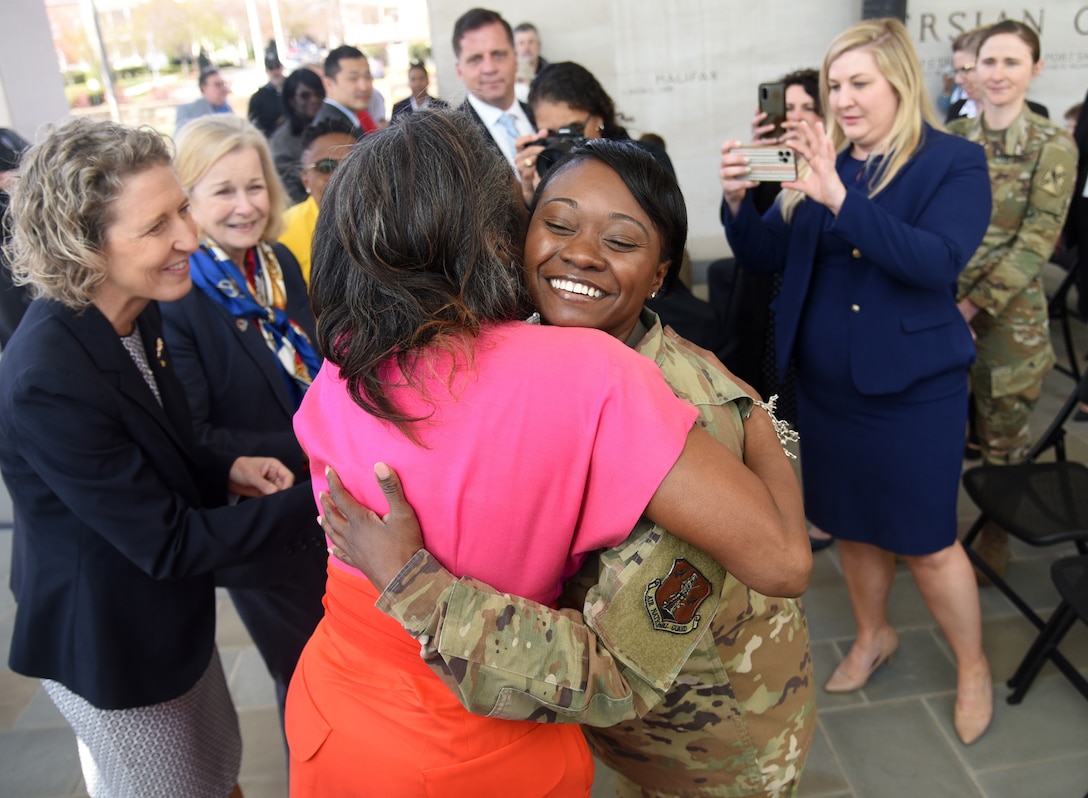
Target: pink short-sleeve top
(545, 444)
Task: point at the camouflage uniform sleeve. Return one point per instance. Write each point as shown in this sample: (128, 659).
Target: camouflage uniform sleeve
(508, 657)
(1015, 267)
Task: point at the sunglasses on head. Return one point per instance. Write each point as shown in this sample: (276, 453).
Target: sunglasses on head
(325, 166)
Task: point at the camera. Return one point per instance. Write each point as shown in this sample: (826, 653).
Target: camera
(557, 144)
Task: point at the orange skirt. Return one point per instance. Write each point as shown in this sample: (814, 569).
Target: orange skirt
(366, 717)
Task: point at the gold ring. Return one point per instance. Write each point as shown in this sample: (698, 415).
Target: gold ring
(528, 161)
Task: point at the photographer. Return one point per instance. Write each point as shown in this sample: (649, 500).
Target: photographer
(570, 107)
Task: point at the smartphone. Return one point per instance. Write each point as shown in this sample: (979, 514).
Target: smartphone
(772, 101)
(769, 164)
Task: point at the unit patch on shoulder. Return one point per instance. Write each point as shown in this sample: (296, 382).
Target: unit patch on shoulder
(1054, 181)
(673, 601)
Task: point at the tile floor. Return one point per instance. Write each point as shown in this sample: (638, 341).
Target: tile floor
(893, 739)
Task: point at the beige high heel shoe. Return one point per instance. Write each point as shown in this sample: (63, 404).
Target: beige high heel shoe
(970, 725)
(841, 682)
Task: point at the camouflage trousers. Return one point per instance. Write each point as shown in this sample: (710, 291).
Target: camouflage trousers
(625, 788)
(1006, 382)
(1003, 431)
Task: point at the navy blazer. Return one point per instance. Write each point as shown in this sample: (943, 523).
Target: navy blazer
(910, 243)
(238, 396)
(119, 516)
(237, 391)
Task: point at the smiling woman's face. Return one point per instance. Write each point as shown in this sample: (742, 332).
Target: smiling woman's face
(592, 255)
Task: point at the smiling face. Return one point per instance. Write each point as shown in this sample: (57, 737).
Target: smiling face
(487, 65)
(353, 85)
(1005, 70)
(862, 100)
(230, 203)
(592, 255)
(147, 248)
(320, 160)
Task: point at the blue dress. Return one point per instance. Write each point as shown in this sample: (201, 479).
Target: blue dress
(881, 469)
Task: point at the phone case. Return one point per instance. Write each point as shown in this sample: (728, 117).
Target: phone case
(772, 101)
(772, 164)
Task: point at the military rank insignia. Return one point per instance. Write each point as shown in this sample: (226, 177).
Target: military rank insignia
(673, 601)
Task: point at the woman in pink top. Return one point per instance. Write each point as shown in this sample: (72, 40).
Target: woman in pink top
(511, 431)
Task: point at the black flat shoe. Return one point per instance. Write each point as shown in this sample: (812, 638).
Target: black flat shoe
(1080, 415)
(819, 544)
(972, 451)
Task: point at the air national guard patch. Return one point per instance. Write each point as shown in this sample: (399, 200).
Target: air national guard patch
(673, 602)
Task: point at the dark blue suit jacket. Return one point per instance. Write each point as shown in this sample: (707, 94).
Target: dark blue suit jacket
(238, 395)
(910, 243)
(119, 516)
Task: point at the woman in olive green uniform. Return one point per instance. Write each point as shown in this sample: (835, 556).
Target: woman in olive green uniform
(1033, 166)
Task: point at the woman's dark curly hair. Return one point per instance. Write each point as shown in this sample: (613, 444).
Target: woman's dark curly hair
(419, 242)
(573, 84)
(809, 80)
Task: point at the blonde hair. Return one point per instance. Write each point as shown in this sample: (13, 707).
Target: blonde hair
(62, 205)
(202, 142)
(887, 39)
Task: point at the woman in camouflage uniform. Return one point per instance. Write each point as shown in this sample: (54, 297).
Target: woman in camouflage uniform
(690, 683)
(1033, 167)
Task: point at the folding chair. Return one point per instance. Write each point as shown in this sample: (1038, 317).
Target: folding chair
(1058, 310)
(1070, 575)
(1042, 504)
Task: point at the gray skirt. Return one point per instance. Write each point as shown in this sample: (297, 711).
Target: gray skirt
(187, 747)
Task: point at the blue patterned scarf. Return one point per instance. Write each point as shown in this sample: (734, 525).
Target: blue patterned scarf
(225, 284)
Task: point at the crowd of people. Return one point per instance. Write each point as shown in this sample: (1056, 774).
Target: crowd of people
(560, 529)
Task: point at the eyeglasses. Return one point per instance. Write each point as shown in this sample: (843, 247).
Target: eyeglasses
(963, 70)
(305, 94)
(326, 166)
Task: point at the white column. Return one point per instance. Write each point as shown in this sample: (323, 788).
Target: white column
(31, 86)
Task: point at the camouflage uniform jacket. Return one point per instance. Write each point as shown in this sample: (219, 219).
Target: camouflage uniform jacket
(697, 685)
(1033, 165)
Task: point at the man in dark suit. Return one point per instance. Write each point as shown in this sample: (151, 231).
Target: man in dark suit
(266, 104)
(484, 45)
(348, 88)
(418, 80)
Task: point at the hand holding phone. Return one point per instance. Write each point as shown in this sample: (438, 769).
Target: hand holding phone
(769, 164)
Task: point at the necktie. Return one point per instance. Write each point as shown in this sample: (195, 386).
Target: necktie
(509, 125)
(366, 121)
